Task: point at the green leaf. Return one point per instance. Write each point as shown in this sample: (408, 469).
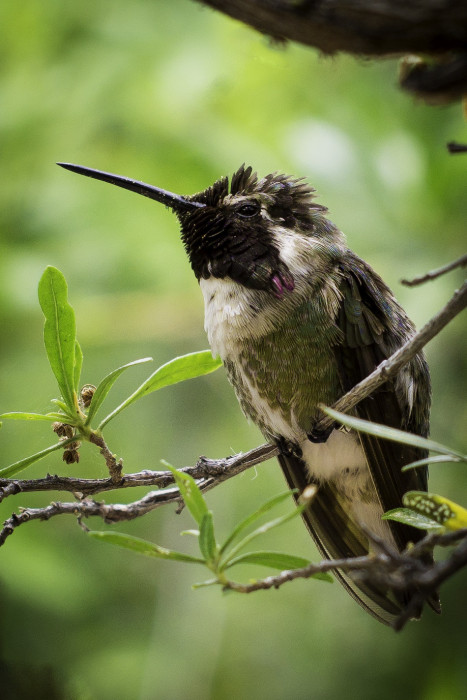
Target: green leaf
(207, 540)
(77, 366)
(17, 415)
(271, 524)
(61, 417)
(406, 516)
(59, 331)
(250, 519)
(106, 384)
(143, 547)
(446, 513)
(190, 493)
(434, 459)
(50, 417)
(275, 560)
(8, 472)
(177, 370)
(383, 431)
(61, 405)
(278, 560)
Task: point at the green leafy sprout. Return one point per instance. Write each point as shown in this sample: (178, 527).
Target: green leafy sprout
(65, 359)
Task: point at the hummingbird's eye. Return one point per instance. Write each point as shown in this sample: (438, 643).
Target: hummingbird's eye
(249, 209)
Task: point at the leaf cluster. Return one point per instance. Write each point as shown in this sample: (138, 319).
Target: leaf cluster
(66, 359)
(220, 557)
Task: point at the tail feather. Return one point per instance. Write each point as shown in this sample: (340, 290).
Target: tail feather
(338, 536)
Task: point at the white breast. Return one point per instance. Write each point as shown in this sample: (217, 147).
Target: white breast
(232, 313)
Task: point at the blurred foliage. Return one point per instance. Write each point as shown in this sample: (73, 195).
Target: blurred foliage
(176, 95)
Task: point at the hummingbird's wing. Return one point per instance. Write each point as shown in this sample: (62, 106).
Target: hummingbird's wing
(373, 326)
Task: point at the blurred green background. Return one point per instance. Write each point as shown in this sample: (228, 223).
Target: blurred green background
(178, 96)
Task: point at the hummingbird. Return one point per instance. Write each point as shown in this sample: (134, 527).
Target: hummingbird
(298, 319)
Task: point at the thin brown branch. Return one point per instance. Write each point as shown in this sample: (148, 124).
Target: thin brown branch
(218, 470)
(208, 473)
(110, 513)
(397, 572)
(434, 274)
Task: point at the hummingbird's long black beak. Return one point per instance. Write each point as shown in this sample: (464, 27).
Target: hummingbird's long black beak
(174, 201)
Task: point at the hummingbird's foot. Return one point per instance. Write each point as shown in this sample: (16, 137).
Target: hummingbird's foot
(289, 448)
(319, 436)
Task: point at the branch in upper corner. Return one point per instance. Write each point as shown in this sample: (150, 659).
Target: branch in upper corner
(361, 27)
(433, 28)
(433, 274)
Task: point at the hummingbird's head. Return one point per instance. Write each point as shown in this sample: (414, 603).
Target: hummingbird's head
(235, 233)
(234, 229)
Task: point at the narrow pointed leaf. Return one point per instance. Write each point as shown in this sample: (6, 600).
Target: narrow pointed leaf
(77, 367)
(261, 531)
(406, 516)
(61, 405)
(250, 519)
(280, 561)
(12, 469)
(143, 547)
(383, 431)
(207, 540)
(59, 331)
(275, 560)
(434, 459)
(190, 493)
(106, 384)
(18, 415)
(445, 512)
(177, 370)
(60, 417)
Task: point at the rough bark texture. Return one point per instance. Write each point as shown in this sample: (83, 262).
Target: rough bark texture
(372, 28)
